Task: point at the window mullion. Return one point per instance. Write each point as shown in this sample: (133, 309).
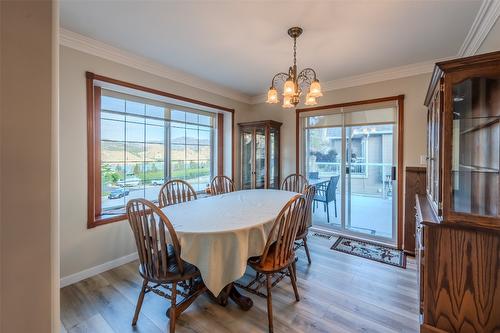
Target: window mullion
(144, 157)
(167, 149)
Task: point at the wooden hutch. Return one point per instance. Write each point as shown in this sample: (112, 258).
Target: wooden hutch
(458, 219)
(260, 154)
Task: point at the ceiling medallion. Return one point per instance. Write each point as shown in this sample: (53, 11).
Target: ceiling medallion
(295, 83)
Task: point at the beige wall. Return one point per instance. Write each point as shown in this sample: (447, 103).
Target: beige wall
(29, 299)
(83, 248)
(492, 41)
(414, 88)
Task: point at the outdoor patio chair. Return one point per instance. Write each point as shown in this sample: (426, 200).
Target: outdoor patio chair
(326, 193)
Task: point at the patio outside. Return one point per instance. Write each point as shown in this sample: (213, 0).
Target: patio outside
(368, 183)
(370, 215)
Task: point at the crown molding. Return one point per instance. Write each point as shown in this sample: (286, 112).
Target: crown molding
(91, 46)
(373, 77)
(485, 19)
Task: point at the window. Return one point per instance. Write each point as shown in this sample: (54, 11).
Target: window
(144, 142)
(136, 144)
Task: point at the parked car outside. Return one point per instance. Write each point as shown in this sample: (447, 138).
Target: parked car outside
(157, 182)
(129, 182)
(118, 193)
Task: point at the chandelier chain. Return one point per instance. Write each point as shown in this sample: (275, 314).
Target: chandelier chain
(295, 51)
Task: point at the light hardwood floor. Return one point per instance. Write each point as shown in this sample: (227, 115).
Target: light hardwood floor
(339, 293)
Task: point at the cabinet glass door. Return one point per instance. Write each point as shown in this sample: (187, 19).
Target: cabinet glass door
(475, 146)
(273, 158)
(260, 158)
(433, 149)
(246, 160)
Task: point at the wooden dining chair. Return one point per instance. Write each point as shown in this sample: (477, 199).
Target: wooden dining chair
(175, 191)
(279, 253)
(295, 183)
(160, 260)
(303, 230)
(221, 184)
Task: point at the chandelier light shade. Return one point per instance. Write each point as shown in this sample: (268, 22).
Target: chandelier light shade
(272, 95)
(287, 102)
(315, 89)
(294, 82)
(289, 88)
(310, 100)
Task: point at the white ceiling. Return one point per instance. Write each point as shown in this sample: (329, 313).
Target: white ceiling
(241, 45)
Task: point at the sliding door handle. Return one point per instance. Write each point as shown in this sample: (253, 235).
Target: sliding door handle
(393, 173)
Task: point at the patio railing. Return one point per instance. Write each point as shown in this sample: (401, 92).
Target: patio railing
(333, 168)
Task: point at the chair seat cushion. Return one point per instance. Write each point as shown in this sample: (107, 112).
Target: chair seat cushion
(172, 273)
(319, 197)
(269, 265)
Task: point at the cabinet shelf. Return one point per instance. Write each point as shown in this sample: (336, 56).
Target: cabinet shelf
(473, 118)
(478, 127)
(470, 168)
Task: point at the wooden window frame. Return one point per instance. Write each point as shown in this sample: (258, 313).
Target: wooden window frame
(400, 172)
(94, 208)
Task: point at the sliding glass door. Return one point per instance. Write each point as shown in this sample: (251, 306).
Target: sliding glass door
(350, 155)
(324, 162)
(369, 180)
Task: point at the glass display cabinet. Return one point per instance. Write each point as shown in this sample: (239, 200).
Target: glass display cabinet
(463, 141)
(260, 154)
(458, 220)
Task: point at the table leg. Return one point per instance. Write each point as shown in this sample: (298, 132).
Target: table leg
(230, 292)
(245, 303)
(223, 297)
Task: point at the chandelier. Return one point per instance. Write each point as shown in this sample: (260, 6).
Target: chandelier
(295, 83)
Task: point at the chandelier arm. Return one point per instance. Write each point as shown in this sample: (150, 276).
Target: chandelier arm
(303, 79)
(307, 71)
(280, 76)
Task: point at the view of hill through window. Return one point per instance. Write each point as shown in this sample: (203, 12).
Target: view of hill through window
(144, 143)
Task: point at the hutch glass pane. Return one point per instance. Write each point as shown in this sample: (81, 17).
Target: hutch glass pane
(246, 160)
(436, 149)
(431, 150)
(273, 158)
(475, 146)
(429, 147)
(260, 158)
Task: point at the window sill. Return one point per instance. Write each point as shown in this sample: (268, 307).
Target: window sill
(120, 215)
(105, 219)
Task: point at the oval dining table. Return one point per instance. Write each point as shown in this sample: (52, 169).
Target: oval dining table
(219, 233)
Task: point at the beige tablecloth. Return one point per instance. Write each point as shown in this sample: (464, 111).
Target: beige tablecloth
(218, 234)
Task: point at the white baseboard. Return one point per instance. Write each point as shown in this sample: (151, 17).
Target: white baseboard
(86, 273)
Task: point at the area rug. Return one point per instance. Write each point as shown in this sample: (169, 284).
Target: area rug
(325, 236)
(370, 251)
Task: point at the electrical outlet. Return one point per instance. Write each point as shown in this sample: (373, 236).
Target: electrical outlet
(423, 159)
